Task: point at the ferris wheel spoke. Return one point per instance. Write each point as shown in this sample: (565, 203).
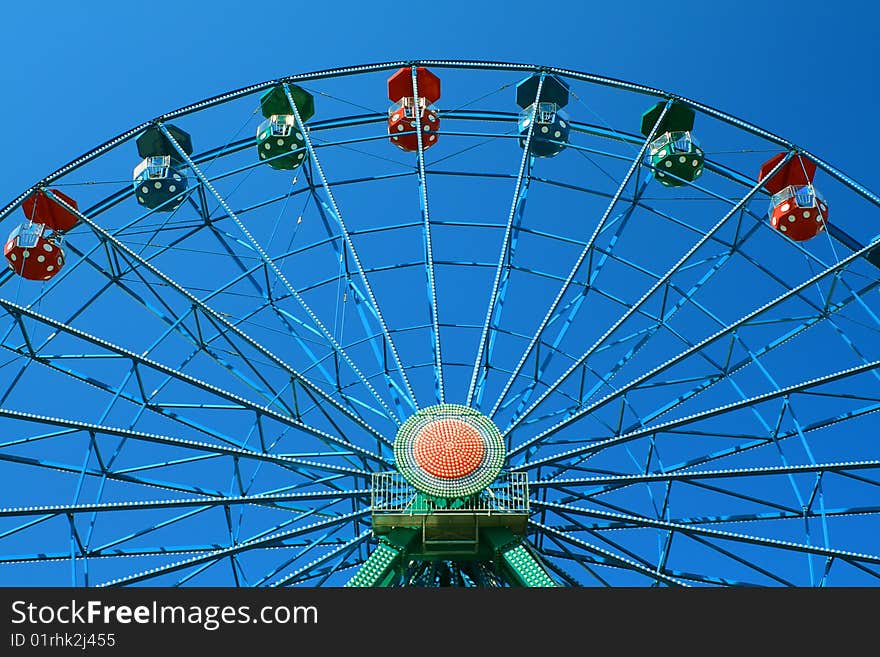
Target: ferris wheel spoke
(147, 529)
(626, 562)
(439, 390)
(122, 553)
(307, 468)
(495, 302)
(337, 215)
(776, 437)
(347, 547)
(291, 322)
(325, 573)
(575, 525)
(291, 462)
(205, 502)
(728, 329)
(626, 315)
(670, 308)
(585, 252)
(566, 316)
(267, 300)
(755, 356)
(760, 518)
(749, 563)
(277, 272)
(225, 446)
(378, 342)
(754, 443)
(727, 408)
(644, 521)
(195, 335)
(175, 324)
(220, 319)
(340, 566)
(602, 481)
(223, 440)
(709, 580)
(584, 561)
(643, 419)
(266, 541)
(745, 562)
(138, 360)
(99, 472)
(113, 270)
(198, 571)
(724, 373)
(298, 555)
(495, 326)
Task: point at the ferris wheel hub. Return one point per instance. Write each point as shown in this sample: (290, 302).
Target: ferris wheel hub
(449, 451)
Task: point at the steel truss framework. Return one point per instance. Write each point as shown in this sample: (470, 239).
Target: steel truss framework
(201, 396)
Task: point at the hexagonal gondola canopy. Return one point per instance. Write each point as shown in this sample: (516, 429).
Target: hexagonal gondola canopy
(400, 84)
(154, 143)
(797, 171)
(40, 208)
(275, 102)
(554, 90)
(679, 118)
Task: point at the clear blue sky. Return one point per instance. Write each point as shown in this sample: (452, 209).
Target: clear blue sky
(802, 69)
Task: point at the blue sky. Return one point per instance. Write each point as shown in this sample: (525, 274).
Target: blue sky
(801, 69)
(75, 75)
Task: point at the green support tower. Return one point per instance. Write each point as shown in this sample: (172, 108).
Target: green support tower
(675, 154)
(449, 516)
(519, 565)
(280, 140)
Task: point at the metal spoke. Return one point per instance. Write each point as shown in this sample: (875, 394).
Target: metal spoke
(729, 328)
(291, 577)
(516, 203)
(280, 276)
(440, 392)
(266, 541)
(220, 319)
(644, 521)
(205, 502)
(625, 562)
(140, 360)
(727, 408)
(614, 480)
(588, 247)
(656, 286)
(337, 214)
(283, 460)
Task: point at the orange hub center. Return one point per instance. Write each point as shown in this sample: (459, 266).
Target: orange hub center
(448, 449)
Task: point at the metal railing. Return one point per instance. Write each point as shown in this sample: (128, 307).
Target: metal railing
(156, 166)
(27, 234)
(804, 196)
(545, 115)
(279, 125)
(675, 142)
(392, 493)
(409, 110)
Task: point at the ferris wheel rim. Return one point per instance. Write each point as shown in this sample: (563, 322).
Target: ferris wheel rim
(342, 72)
(444, 63)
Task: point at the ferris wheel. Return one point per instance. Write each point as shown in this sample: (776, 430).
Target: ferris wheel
(526, 327)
